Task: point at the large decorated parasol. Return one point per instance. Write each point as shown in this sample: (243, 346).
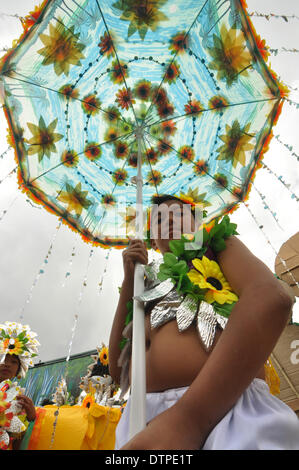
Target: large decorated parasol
(110, 102)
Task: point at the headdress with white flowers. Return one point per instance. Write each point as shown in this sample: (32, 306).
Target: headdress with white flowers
(18, 339)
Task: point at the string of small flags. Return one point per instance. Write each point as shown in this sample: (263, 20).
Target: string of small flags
(41, 270)
(287, 146)
(280, 79)
(4, 212)
(268, 16)
(5, 152)
(261, 227)
(9, 174)
(282, 49)
(76, 317)
(280, 178)
(35, 206)
(291, 87)
(291, 102)
(266, 206)
(15, 15)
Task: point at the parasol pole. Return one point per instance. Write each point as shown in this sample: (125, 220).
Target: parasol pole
(138, 376)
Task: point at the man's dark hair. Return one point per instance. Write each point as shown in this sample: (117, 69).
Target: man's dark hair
(160, 199)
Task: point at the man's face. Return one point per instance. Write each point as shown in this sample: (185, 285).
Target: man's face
(168, 221)
(9, 368)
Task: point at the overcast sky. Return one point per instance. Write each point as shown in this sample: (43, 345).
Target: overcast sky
(26, 232)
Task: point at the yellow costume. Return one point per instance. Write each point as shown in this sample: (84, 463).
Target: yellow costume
(89, 426)
(78, 428)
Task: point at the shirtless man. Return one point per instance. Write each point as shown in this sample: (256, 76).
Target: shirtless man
(215, 379)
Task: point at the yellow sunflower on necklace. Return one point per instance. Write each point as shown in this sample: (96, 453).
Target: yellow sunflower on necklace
(207, 275)
(103, 356)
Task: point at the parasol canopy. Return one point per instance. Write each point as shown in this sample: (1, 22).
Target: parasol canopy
(111, 102)
(187, 78)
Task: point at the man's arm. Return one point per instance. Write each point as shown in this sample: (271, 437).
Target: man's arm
(254, 326)
(136, 252)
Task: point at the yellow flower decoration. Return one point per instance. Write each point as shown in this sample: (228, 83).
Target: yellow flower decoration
(237, 141)
(230, 56)
(104, 356)
(44, 138)
(62, 48)
(192, 197)
(88, 401)
(13, 346)
(75, 198)
(142, 15)
(208, 275)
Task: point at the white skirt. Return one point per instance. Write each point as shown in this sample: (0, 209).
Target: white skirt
(258, 421)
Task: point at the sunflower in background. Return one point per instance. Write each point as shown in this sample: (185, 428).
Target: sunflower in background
(100, 364)
(104, 356)
(97, 386)
(88, 401)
